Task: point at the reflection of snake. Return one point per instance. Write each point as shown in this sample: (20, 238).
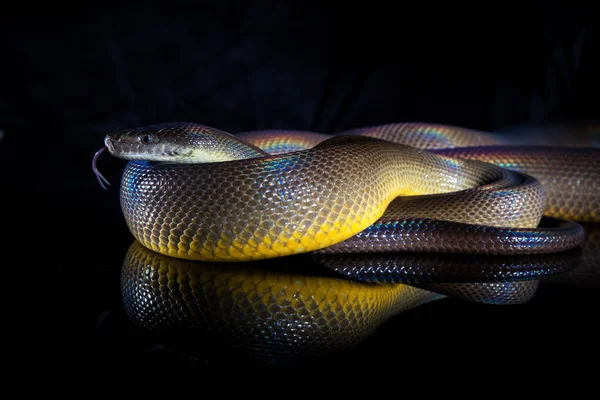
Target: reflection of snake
(430, 268)
(271, 206)
(277, 316)
(587, 274)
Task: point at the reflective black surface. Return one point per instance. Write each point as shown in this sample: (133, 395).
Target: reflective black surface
(72, 77)
(91, 312)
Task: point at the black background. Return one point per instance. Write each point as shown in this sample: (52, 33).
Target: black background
(74, 74)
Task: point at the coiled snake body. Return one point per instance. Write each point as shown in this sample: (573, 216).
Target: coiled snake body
(348, 193)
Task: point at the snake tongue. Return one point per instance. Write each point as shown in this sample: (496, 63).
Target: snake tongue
(101, 180)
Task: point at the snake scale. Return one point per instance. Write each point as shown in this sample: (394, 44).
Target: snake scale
(195, 192)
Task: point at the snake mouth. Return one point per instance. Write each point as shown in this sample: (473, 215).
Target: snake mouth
(109, 144)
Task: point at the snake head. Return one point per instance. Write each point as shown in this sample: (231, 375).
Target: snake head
(161, 142)
(181, 142)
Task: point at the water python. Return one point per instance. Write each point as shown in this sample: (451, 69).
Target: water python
(196, 192)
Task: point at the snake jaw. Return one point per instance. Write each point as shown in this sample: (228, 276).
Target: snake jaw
(101, 179)
(109, 144)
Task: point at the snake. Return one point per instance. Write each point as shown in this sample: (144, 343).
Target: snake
(195, 192)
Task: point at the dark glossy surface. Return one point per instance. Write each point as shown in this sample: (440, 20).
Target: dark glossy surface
(84, 318)
(93, 328)
(71, 77)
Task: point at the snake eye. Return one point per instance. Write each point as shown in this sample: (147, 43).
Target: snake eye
(146, 139)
